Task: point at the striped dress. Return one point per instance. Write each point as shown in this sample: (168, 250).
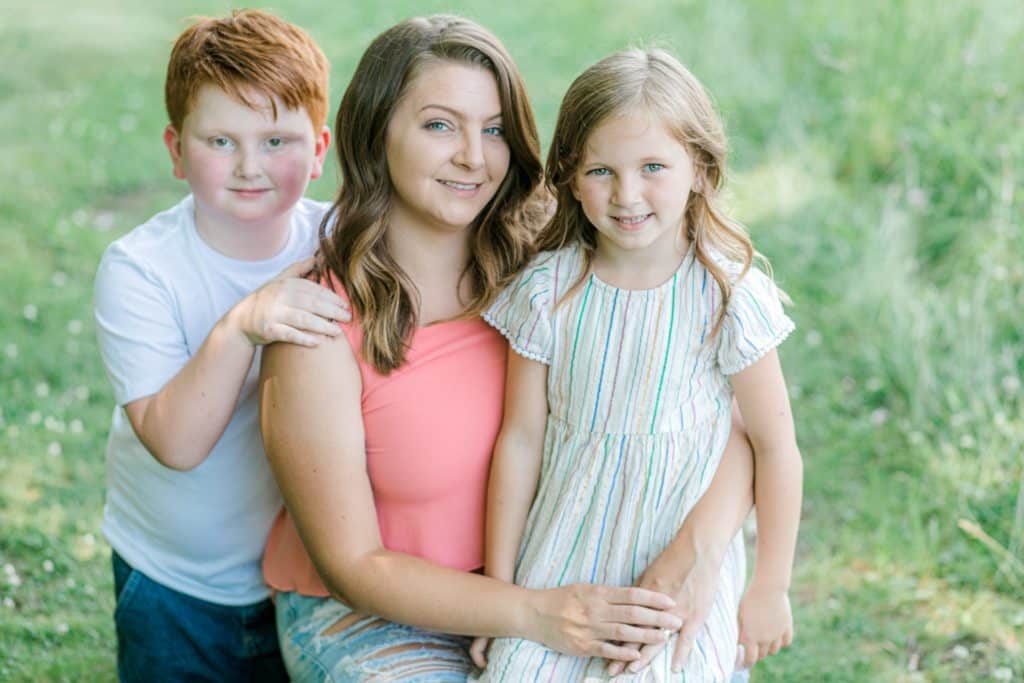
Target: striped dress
(639, 412)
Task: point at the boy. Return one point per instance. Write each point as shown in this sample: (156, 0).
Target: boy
(180, 315)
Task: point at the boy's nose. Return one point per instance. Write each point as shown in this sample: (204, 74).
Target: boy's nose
(247, 166)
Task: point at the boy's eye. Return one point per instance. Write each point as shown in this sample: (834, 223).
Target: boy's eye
(275, 142)
(496, 131)
(221, 142)
(437, 125)
(653, 167)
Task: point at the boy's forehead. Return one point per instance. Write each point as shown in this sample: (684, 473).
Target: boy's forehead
(214, 103)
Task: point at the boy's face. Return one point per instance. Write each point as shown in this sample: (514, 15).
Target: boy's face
(246, 169)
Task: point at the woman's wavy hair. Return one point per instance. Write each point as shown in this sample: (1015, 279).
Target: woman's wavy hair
(352, 235)
(651, 80)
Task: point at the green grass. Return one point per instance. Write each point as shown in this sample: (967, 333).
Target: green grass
(877, 159)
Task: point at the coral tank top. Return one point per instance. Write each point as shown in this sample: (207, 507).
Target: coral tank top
(430, 428)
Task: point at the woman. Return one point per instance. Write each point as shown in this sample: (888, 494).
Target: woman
(381, 438)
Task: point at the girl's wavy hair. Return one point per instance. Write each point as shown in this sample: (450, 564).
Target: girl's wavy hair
(654, 81)
(352, 235)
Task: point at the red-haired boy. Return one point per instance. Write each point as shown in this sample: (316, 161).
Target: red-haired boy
(182, 305)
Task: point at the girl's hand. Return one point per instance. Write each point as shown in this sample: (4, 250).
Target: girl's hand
(766, 623)
(586, 620)
(478, 651)
(692, 580)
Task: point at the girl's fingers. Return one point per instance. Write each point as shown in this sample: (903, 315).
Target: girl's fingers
(647, 655)
(774, 648)
(613, 651)
(682, 652)
(617, 666)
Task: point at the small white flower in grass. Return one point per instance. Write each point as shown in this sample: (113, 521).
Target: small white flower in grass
(813, 338)
(76, 426)
(59, 278)
(967, 442)
(9, 569)
(42, 390)
(82, 392)
(54, 449)
(70, 583)
(48, 566)
(89, 539)
(1011, 384)
(879, 416)
(75, 326)
(35, 417)
(31, 312)
(832, 604)
(916, 438)
(90, 589)
(1003, 673)
(9, 603)
(960, 652)
(13, 580)
(62, 628)
(1000, 273)
(11, 350)
(52, 424)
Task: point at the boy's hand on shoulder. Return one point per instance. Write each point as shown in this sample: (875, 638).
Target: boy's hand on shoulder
(766, 623)
(290, 308)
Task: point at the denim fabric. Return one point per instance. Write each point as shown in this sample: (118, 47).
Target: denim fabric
(363, 649)
(164, 635)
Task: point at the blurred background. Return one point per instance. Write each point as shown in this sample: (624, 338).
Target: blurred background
(877, 158)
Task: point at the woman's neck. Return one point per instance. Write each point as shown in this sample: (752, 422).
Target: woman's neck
(434, 260)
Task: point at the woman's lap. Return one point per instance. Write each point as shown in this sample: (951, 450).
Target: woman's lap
(323, 640)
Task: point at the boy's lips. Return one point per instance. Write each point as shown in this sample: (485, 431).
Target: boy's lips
(249, 192)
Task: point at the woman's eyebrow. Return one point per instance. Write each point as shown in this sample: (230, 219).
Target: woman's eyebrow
(455, 112)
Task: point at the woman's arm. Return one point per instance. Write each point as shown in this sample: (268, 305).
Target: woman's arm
(515, 467)
(312, 430)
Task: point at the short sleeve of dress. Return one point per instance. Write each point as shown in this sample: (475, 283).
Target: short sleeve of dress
(754, 323)
(522, 312)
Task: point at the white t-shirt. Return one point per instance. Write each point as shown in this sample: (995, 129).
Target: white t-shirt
(159, 291)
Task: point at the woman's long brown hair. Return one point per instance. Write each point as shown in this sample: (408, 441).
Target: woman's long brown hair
(352, 242)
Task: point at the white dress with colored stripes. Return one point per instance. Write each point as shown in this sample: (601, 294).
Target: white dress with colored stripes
(639, 412)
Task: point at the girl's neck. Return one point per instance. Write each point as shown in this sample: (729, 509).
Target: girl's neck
(434, 260)
(638, 269)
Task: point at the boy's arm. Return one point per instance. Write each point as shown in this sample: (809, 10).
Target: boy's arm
(181, 422)
(765, 614)
(515, 467)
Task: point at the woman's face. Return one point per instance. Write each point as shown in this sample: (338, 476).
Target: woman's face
(446, 148)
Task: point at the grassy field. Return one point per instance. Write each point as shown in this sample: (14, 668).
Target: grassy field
(878, 159)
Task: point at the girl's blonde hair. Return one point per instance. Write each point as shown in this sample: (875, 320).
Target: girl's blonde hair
(655, 81)
(352, 237)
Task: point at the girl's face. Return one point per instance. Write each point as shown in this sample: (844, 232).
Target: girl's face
(446, 148)
(633, 183)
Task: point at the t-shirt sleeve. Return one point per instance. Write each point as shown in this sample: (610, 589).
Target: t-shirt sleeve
(522, 313)
(754, 323)
(141, 338)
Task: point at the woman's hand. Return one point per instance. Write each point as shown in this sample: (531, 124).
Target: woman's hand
(691, 580)
(590, 621)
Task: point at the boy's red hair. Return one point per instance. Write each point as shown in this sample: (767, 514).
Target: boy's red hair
(248, 51)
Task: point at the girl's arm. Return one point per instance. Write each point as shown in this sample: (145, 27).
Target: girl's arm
(515, 467)
(312, 429)
(689, 567)
(765, 618)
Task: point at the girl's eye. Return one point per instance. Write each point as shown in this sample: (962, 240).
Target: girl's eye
(221, 142)
(496, 131)
(437, 125)
(653, 167)
(599, 172)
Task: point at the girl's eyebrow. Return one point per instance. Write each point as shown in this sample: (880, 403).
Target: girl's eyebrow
(456, 113)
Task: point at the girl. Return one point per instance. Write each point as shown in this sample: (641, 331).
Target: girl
(627, 332)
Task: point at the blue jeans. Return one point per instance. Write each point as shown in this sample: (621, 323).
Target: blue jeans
(164, 635)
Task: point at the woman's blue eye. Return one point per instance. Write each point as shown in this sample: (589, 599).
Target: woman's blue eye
(496, 131)
(437, 125)
(653, 167)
